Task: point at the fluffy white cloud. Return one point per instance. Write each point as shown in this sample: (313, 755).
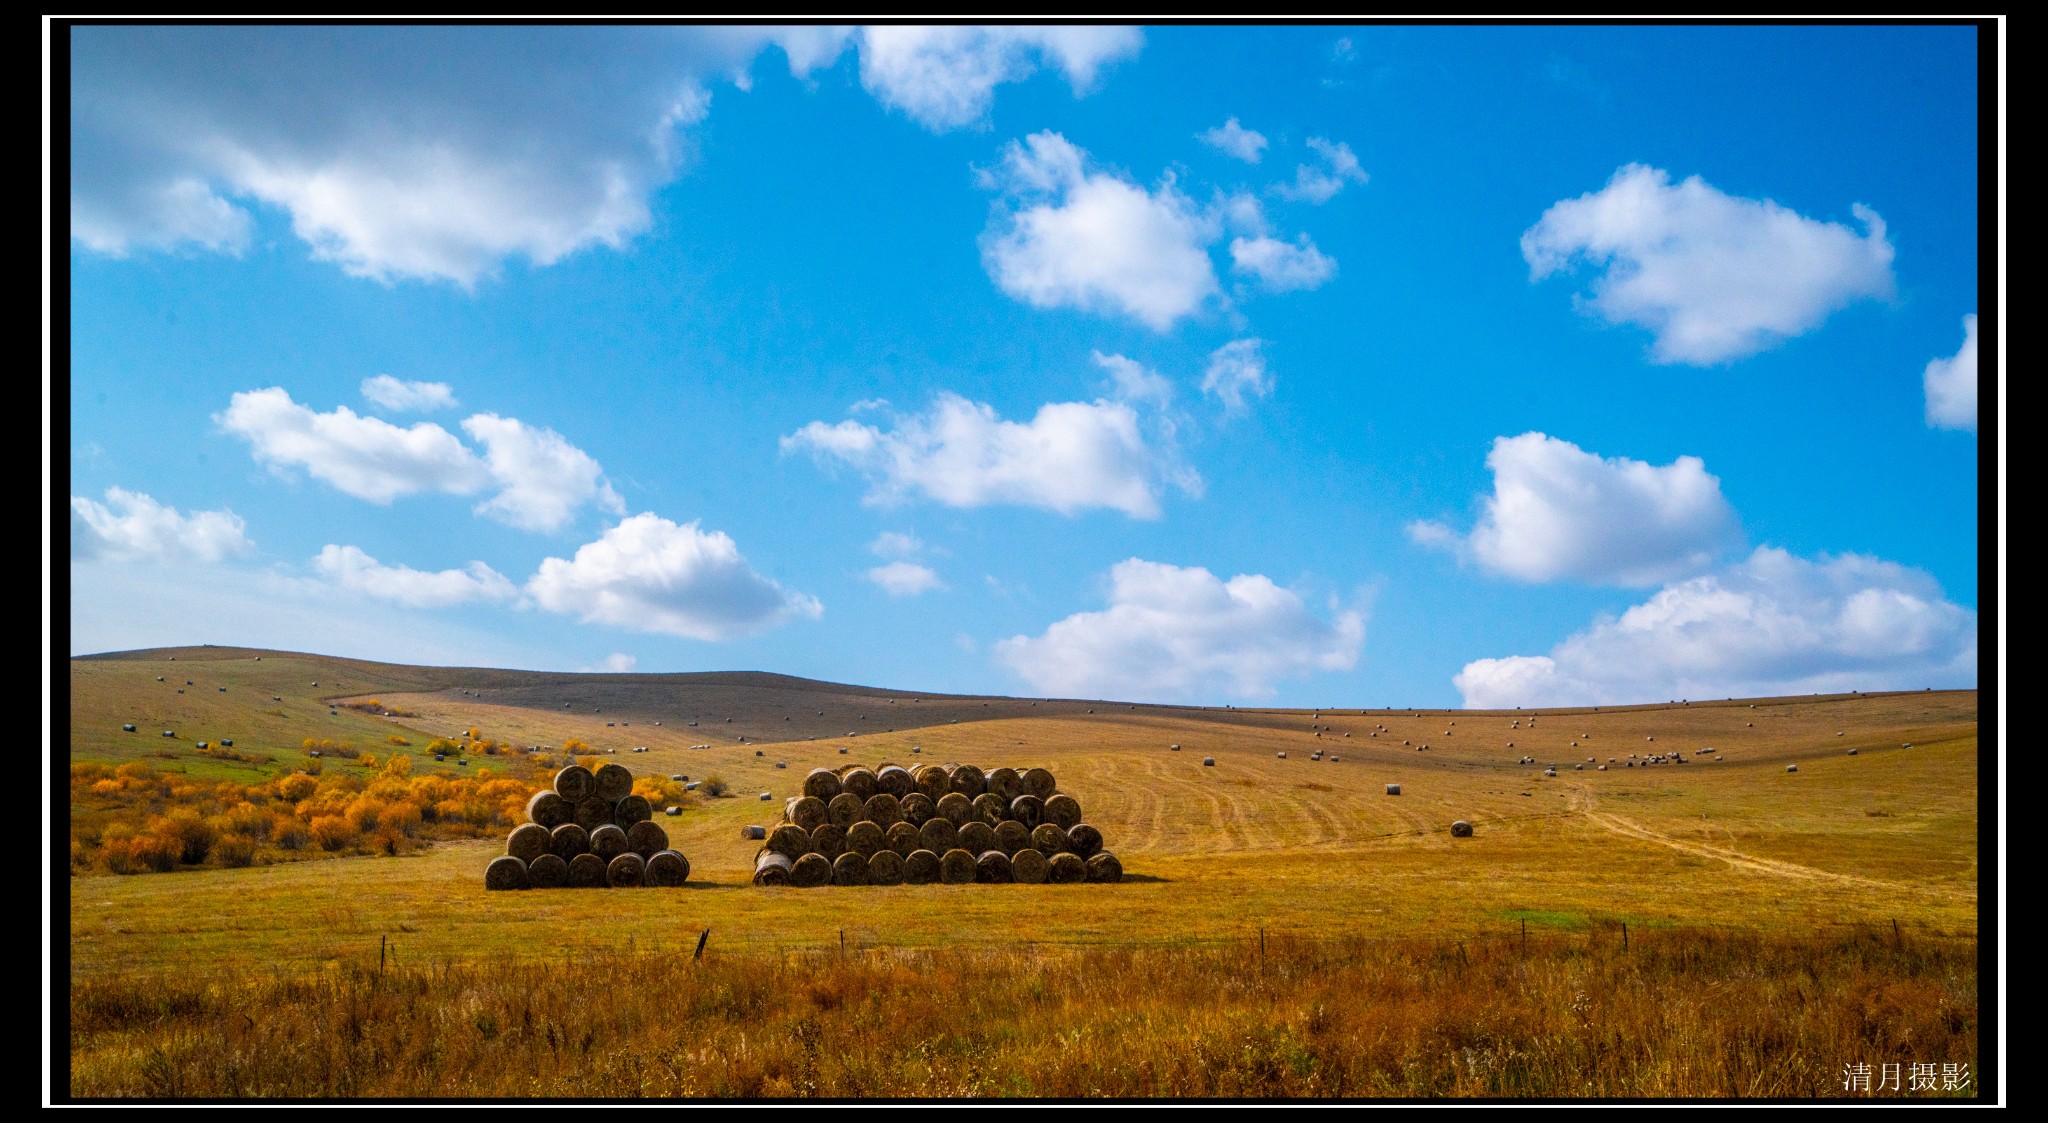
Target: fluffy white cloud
(896, 544)
(648, 574)
(1715, 277)
(1774, 624)
(1319, 182)
(1133, 381)
(403, 397)
(134, 527)
(350, 568)
(945, 77)
(1952, 384)
(1282, 266)
(1558, 512)
(617, 663)
(1234, 139)
(905, 579)
(1071, 457)
(1069, 237)
(362, 456)
(545, 479)
(1237, 370)
(1174, 634)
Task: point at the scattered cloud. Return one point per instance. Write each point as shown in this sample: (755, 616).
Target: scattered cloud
(1175, 634)
(1952, 384)
(1560, 513)
(648, 574)
(617, 663)
(1233, 139)
(1773, 624)
(1237, 370)
(896, 544)
(132, 526)
(408, 397)
(1133, 381)
(905, 579)
(1714, 277)
(544, 479)
(361, 456)
(1282, 266)
(1320, 181)
(945, 77)
(350, 568)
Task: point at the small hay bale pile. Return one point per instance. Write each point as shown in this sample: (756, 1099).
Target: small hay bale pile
(929, 824)
(586, 832)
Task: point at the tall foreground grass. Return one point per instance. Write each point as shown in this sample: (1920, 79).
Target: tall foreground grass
(1675, 1013)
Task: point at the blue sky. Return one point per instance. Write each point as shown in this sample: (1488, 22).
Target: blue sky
(1290, 365)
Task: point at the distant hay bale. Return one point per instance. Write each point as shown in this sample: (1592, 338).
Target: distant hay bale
(845, 810)
(993, 868)
(938, 834)
(1791, 768)
(1208, 762)
(790, 839)
(822, 784)
(586, 871)
(755, 832)
(1175, 748)
(969, 780)
(896, 780)
(956, 807)
(667, 869)
(806, 811)
(1004, 783)
(921, 867)
(782, 764)
(549, 871)
(864, 838)
(916, 808)
(567, 841)
(1012, 836)
(593, 813)
(608, 842)
(933, 781)
(1852, 752)
(613, 782)
(859, 781)
(1461, 829)
(1049, 838)
(956, 867)
(632, 809)
(883, 810)
(1040, 782)
(528, 841)
(627, 871)
(977, 836)
(549, 809)
(506, 872)
(646, 838)
(1029, 867)
(766, 796)
(575, 783)
(850, 868)
(1084, 840)
(901, 837)
(1393, 789)
(885, 867)
(1104, 867)
(771, 868)
(810, 871)
(1282, 756)
(1065, 869)
(989, 808)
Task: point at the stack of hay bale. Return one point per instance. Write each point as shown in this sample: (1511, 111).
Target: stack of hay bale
(587, 832)
(949, 823)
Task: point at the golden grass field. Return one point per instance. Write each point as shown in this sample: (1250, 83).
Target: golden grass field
(1311, 852)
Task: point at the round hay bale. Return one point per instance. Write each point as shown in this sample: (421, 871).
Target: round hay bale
(993, 868)
(567, 841)
(1282, 756)
(956, 867)
(632, 809)
(1062, 810)
(790, 839)
(1461, 829)
(1012, 836)
(528, 841)
(969, 780)
(921, 867)
(822, 784)
(1065, 869)
(850, 869)
(754, 833)
(771, 868)
(901, 837)
(575, 783)
(845, 810)
(549, 871)
(883, 811)
(933, 781)
(766, 796)
(1048, 839)
(896, 780)
(1791, 768)
(608, 842)
(859, 781)
(829, 840)
(938, 834)
(806, 811)
(627, 871)
(916, 808)
(1393, 789)
(956, 807)
(1208, 762)
(1852, 752)
(1084, 840)
(977, 836)
(667, 869)
(811, 871)
(1039, 782)
(1004, 783)
(989, 808)
(1104, 867)
(1029, 810)
(586, 871)
(506, 872)
(1029, 867)
(864, 838)
(646, 838)
(548, 809)
(613, 782)
(592, 813)
(885, 867)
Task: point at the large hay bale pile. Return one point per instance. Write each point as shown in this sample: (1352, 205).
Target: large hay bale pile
(588, 830)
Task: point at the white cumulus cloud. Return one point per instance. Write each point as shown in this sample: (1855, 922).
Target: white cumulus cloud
(905, 579)
(1773, 624)
(1182, 634)
(1282, 266)
(1558, 512)
(1952, 384)
(362, 456)
(1133, 381)
(1070, 457)
(648, 574)
(132, 526)
(350, 568)
(945, 77)
(1319, 182)
(1236, 371)
(1234, 139)
(1714, 277)
(404, 397)
(544, 478)
(1065, 236)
